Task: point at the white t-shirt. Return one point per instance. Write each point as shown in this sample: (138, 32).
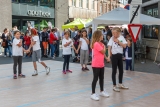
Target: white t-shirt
(67, 50)
(36, 46)
(84, 45)
(115, 47)
(16, 50)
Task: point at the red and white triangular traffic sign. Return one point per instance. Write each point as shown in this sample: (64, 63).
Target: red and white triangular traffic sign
(134, 30)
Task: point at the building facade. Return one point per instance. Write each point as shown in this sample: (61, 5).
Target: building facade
(67, 11)
(5, 14)
(19, 12)
(104, 6)
(84, 9)
(150, 33)
(38, 12)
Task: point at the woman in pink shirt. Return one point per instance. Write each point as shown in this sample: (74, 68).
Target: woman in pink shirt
(98, 50)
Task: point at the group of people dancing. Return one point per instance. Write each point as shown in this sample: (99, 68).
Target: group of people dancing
(117, 46)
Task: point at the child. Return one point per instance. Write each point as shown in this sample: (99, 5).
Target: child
(115, 50)
(99, 50)
(17, 50)
(36, 55)
(84, 53)
(67, 43)
(128, 54)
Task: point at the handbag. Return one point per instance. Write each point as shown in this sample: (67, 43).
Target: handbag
(3, 44)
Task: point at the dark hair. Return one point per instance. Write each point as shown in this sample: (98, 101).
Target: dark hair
(106, 27)
(90, 30)
(17, 31)
(84, 31)
(66, 32)
(26, 32)
(44, 28)
(125, 32)
(4, 29)
(53, 30)
(130, 39)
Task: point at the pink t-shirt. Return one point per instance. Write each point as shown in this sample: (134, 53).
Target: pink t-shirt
(98, 57)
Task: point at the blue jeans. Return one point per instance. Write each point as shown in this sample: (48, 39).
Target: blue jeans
(52, 49)
(5, 51)
(128, 64)
(10, 50)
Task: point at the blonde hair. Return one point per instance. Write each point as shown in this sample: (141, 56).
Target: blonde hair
(117, 29)
(96, 37)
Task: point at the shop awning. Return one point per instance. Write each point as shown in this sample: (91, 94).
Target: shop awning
(120, 16)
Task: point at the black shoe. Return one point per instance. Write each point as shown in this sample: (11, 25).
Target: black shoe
(46, 56)
(86, 69)
(83, 69)
(21, 75)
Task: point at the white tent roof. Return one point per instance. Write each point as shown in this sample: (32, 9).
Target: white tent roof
(121, 16)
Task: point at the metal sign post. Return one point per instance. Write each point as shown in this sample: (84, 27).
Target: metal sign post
(134, 15)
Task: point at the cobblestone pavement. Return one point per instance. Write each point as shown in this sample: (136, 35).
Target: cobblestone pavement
(73, 89)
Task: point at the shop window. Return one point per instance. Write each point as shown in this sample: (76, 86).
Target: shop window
(73, 2)
(150, 31)
(34, 2)
(16, 1)
(93, 4)
(47, 3)
(87, 4)
(80, 3)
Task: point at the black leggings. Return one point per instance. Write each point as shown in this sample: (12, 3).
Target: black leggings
(117, 61)
(66, 62)
(97, 72)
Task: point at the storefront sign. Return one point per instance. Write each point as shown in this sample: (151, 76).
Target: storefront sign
(38, 13)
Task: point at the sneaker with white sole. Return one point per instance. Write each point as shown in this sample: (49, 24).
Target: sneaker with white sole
(121, 86)
(104, 94)
(94, 97)
(53, 57)
(47, 70)
(35, 73)
(116, 89)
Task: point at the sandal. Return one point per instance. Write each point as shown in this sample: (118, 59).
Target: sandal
(21, 75)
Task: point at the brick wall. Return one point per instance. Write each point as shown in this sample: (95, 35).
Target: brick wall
(5, 14)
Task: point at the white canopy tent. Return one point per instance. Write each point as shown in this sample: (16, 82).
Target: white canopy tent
(120, 16)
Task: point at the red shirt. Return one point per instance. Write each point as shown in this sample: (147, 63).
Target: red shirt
(98, 57)
(27, 40)
(52, 38)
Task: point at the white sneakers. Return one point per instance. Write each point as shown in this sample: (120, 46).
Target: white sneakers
(47, 70)
(103, 94)
(120, 86)
(95, 97)
(53, 57)
(35, 73)
(116, 89)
